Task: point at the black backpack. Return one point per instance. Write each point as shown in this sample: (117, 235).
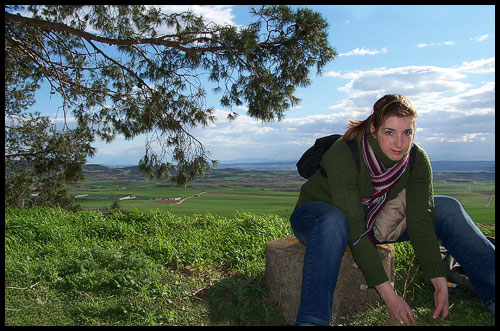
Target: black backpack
(309, 162)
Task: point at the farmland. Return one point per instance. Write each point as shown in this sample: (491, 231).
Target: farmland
(226, 192)
(223, 192)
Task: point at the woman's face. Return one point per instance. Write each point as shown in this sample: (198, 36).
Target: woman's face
(395, 136)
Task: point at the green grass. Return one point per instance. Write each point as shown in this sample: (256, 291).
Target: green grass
(228, 205)
(151, 268)
(157, 268)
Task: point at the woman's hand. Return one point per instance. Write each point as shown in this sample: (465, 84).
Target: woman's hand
(399, 311)
(440, 297)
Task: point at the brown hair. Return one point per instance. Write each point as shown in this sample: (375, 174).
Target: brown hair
(388, 105)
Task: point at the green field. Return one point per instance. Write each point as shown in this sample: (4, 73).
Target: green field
(221, 192)
(226, 192)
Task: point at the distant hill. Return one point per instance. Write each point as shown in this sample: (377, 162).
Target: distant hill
(269, 166)
(460, 166)
(437, 166)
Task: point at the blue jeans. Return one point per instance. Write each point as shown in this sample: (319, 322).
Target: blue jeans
(324, 230)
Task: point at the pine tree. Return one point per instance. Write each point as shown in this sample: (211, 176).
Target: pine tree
(118, 74)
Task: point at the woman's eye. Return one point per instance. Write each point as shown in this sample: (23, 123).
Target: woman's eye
(389, 133)
(408, 132)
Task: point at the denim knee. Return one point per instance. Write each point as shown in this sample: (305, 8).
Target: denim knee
(448, 202)
(335, 225)
(448, 210)
(329, 220)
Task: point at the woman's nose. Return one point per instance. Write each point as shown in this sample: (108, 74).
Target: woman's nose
(398, 141)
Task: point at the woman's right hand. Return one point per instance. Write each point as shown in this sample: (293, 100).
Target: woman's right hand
(399, 311)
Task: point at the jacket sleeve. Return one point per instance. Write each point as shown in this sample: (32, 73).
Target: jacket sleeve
(420, 217)
(343, 182)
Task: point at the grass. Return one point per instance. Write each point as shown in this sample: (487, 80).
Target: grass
(151, 268)
(157, 268)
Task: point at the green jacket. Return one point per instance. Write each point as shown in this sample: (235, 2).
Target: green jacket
(344, 188)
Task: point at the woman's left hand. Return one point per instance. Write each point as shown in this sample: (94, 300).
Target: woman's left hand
(398, 309)
(440, 297)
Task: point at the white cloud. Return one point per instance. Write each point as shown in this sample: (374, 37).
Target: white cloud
(482, 66)
(333, 73)
(481, 38)
(409, 80)
(442, 137)
(363, 51)
(219, 14)
(445, 43)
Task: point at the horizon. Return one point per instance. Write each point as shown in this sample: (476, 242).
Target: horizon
(442, 57)
(243, 162)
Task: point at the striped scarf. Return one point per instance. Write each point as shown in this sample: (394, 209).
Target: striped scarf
(382, 179)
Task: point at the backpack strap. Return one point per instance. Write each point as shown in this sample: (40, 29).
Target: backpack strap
(353, 145)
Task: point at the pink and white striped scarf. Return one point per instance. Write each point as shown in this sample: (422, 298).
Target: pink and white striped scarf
(382, 179)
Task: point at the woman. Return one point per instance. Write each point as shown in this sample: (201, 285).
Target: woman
(351, 206)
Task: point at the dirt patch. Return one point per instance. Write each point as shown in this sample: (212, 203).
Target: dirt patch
(179, 201)
(490, 200)
(169, 201)
(253, 194)
(488, 192)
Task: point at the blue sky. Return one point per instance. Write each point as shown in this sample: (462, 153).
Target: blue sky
(441, 57)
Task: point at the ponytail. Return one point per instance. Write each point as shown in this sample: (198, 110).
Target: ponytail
(356, 128)
(388, 105)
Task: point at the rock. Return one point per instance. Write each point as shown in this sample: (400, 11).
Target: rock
(284, 261)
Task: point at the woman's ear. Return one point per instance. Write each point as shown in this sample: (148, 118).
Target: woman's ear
(372, 131)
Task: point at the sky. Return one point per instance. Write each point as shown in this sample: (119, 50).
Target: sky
(441, 57)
